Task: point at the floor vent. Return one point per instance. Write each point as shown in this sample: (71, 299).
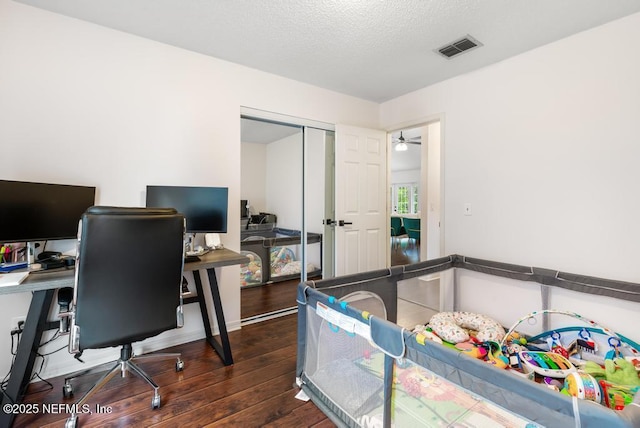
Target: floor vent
(464, 44)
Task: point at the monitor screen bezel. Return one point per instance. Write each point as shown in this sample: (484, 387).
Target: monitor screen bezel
(47, 199)
(187, 210)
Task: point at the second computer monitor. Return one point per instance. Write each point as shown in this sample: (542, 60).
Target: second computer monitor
(205, 208)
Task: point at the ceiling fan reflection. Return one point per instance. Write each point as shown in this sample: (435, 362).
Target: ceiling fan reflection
(401, 143)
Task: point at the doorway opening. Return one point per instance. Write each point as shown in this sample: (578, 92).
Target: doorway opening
(415, 193)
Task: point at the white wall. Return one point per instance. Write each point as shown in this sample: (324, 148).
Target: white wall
(431, 134)
(545, 148)
(253, 172)
(84, 104)
(315, 176)
(284, 181)
(404, 177)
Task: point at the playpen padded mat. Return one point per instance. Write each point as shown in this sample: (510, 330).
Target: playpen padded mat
(422, 398)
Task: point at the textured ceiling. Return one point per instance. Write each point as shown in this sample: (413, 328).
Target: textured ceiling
(372, 49)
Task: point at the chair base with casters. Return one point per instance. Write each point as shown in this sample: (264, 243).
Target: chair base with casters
(126, 363)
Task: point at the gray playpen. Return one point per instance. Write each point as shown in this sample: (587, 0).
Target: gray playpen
(362, 369)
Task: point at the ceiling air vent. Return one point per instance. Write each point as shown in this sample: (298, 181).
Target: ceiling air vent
(456, 48)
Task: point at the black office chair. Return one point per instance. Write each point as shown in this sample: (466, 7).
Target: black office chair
(127, 287)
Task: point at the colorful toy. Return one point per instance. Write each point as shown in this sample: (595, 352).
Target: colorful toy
(251, 273)
(471, 350)
(495, 356)
(546, 363)
(553, 383)
(585, 342)
(515, 338)
(555, 345)
(425, 333)
(583, 385)
(617, 342)
(614, 351)
(617, 397)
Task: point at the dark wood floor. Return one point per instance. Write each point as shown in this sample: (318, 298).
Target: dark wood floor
(405, 252)
(268, 298)
(257, 391)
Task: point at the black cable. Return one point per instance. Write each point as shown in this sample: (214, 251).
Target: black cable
(52, 352)
(36, 374)
(14, 351)
(5, 380)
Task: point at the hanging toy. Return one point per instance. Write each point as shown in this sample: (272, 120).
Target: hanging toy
(585, 342)
(556, 346)
(614, 352)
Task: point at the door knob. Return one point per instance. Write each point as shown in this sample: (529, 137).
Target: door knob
(342, 222)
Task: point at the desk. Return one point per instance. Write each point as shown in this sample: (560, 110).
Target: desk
(210, 261)
(44, 286)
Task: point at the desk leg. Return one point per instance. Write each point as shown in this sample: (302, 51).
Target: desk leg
(34, 325)
(223, 348)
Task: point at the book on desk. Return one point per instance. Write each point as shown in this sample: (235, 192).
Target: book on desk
(13, 278)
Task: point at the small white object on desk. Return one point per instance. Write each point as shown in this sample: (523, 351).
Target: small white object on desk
(212, 240)
(199, 251)
(13, 278)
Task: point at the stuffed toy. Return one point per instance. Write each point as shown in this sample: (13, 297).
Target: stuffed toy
(618, 371)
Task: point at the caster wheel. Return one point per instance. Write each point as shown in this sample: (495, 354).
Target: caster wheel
(67, 390)
(155, 402)
(179, 365)
(72, 422)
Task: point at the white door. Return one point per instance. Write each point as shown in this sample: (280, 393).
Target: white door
(361, 205)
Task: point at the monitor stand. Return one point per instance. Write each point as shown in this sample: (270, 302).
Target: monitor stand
(191, 242)
(192, 254)
(31, 253)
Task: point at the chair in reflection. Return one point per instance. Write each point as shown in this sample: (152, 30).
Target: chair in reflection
(397, 231)
(412, 226)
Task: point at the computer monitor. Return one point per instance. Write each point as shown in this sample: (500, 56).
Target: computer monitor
(40, 211)
(205, 208)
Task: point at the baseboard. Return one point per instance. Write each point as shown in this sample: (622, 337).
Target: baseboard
(269, 315)
(54, 367)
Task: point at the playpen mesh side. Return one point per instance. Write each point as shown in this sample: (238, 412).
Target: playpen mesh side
(333, 363)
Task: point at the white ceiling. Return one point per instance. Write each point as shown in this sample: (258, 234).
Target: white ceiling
(372, 49)
(259, 132)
